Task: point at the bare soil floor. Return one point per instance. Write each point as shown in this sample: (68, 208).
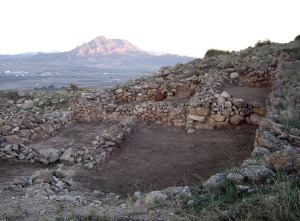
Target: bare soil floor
(75, 135)
(9, 169)
(151, 157)
(248, 93)
(156, 157)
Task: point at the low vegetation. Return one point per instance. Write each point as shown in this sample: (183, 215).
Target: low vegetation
(288, 105)
(275, 199)
(215, 53)
(297, 38)
(261, 43)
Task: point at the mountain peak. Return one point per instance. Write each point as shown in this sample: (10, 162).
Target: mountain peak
(102, 46)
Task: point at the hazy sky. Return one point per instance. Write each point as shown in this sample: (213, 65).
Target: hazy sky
(185, 27)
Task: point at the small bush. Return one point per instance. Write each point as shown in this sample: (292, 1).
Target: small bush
(215, 53)
(261, 43)
(73, 87)
(297, 38)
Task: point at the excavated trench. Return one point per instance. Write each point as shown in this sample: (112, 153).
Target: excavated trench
(156, 157)
(153, 156)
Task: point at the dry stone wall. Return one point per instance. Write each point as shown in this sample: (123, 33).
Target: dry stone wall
(195, 102)
(190, 95)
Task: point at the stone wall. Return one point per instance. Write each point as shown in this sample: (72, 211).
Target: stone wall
(28, 126)
(103, 144)
(194, 103)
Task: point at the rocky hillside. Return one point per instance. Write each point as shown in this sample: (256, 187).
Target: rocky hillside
(203, 94)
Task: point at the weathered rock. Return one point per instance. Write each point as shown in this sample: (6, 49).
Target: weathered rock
(50, 154)
(214, 180)
(43, 176)
(218, 117)
(262, 111)
(259, 151)
(196, 118)
(28, 104)
(43, 161)
(272, 127)
(66, 157)
(287, 159)
(237, 119)
(156, 198)
(255, 118)
(239, 102)
(235, 177)
(256, 173)
(234, 75)
(249, 162)
(173, 191)
(195, 102)
(221, 101)
(21, 156)
(225, 95)
(21, 181)
(243, 187)
(183, 197)
(119, 90)
(202, 111)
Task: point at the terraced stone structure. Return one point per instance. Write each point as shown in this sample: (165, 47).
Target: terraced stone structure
(224, 91)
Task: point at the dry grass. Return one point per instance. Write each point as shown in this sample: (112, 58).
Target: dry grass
(289, 93)
(275, 200)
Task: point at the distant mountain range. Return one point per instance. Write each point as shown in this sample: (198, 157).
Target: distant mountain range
(102, 53)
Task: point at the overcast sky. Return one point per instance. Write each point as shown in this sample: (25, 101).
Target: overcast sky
(185, 27)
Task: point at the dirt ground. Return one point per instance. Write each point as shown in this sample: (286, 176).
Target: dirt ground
(156, 157)
(152, 157)
(75, 135)
(13, 168)
(248, 93)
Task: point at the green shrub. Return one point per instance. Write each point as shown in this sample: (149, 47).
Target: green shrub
(261, 43)
(215, 52)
